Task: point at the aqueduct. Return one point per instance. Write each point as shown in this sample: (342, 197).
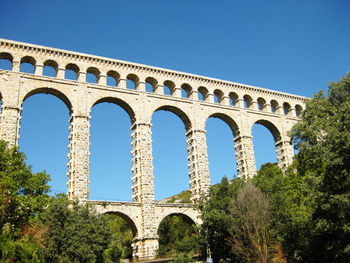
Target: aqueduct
(193, 98)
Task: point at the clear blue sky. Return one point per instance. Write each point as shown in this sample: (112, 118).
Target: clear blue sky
(290, 46)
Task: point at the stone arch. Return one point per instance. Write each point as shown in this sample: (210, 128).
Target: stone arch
(233, 98)
(120, 103)
(271, 127)
(286, 108)
(7, 56)
(274, 106)
(219, 95)
(51, 91)
(152, 82)
(170, 85)
(135, 79)
(248, 101)
(204, 92)
(189, 215)
(228, 120)
(28, 59)
(261, 103)
(182, 115)
(114, 75)
(94, 71)
(130, 222)
(187, 89)
(298, 110)
(51, 63)
(74, 68)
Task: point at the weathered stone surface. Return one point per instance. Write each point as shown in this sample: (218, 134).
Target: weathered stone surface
(240, 106)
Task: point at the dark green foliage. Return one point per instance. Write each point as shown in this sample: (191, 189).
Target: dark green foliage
(121, 239)
(75, 234)
(177, 233)
(23, 195)
(323, 140)
(291, 217)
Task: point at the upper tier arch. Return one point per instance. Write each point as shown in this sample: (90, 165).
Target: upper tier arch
(46, 90)
(118, 102)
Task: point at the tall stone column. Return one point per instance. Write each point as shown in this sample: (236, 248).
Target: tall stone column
(198, 165)
(143, 189)
(78, 158)
(10, 119)
(244, 152)
(285, 153)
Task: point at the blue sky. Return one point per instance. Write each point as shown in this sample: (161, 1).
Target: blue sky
(290, 46)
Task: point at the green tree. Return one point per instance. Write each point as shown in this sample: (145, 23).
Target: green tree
(291, 217)
(23, 194)
(76, 233)
(177, 234)
(218, 220)
(121, 239)
(323, 140)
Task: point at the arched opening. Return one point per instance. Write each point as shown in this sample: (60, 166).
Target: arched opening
(202, 93)
(72, 72)
(286, 108)
(151, 84)
(92, 75)
(27, 65)
(218, 96)
(169, 87)
(298, 110)
(233, 98)
(122, 230)
(221, 131)
(247, 101)
(261, 104)
(50, 68)
(44, 135)
(274, 106)
(170, 171)
(185, 90)
(6, 61)
(112, 78)
(177, 233)
(110, 147)
(265, 135)
(131, 81)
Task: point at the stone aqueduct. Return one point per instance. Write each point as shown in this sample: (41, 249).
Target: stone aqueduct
(193, 98)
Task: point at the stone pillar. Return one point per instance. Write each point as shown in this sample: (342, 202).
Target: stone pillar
(16, 65)
(78, 158)
(141, 86)
(159, 89)
(39, 69)
(210, 97)
(10, 119)
(143, 189)
(60, 73)
(198, 165)
(177, 92)
(254, 105)
(102, 80)
(225, 100)
(81, 76)
(244, 152)
(240, 103)
(121, 83)
(285, 153)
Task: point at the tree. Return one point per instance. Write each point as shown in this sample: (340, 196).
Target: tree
(75, 234)
(218, 220)
(23, 194)
(250, 236)
(323, 140)
(291, 216)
